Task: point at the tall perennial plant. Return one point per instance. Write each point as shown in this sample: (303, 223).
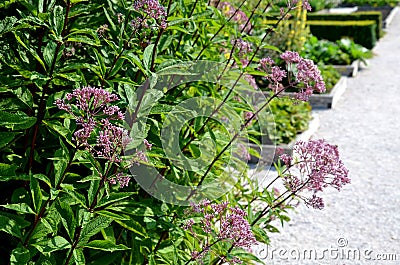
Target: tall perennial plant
(124, 128)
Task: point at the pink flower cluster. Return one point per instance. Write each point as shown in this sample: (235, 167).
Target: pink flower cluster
(242, 46)
(314, 166)
(237, 15)
(97, 118)
(227, 223)
(122, 179)
(153, 9)
(305, 4)
(307, 76)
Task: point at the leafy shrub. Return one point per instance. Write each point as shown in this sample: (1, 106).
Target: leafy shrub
(331, 76)
(342, 52)
(115, 116)
(287, 121)
(290, 119)
(362, 32)
(354, 16)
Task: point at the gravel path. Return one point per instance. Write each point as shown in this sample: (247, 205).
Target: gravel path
(362, 222)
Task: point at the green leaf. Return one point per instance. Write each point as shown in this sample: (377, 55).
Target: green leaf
(133, 226)
(147, 56)
(178, 28)
(59, 129)
(79, 257)
(43, 178)
(70, 190)
(36, 193)
(24, 95)
(131, 57)
(10, 226)
(109, 19)
(7, 172)
(84, 39)
(16, 121)
(20, 256)
(90, 178)
(57, 20)
(60, 165)
(113, 215)
(117, 67)
(19, 207)
(49, 53)
(30, 50)
(49, 245)
(113, 197)
(105, 245)
(77, 1)
(92, 194)
(245, 255)
(100, 62)
(93, 227)
(7, 24)
(108, 234)
(67, 218)
(260, 234)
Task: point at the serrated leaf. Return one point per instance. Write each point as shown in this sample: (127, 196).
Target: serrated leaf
(24, 95)
(49, 53)
(30, 50)
(58, 128)
(260, 235)
(147, 56)
(36, 193)
(93, 227)
(84, 39)
(7, 24)
(67, 218)
(113, 197)
(79, 257)
(90, 178)
(57, 20)
(100, 62)
(52, 244)
(43, 178)
(9, 226)
(41, 231)
(135, 61)
(117, 67)
(16, 121)
(70, 190)
(105, 245)
(113, 215)
(20, 256)
(60, 165)
(19, 207)
(133, 226)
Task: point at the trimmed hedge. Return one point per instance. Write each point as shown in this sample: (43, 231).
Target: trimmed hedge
(356, 16)
(361, 32)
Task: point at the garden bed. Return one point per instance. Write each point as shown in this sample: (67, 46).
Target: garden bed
(349, 70)
(327, 100)
(268, 151)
